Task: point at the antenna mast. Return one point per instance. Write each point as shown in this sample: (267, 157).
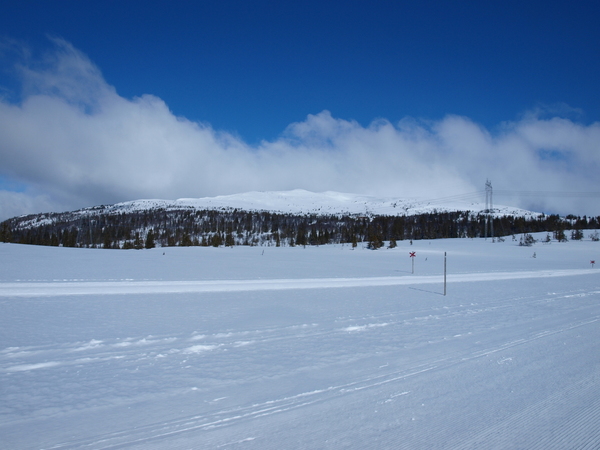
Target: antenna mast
(489, 207)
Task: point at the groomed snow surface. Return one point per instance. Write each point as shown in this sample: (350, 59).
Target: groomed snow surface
(288, 348)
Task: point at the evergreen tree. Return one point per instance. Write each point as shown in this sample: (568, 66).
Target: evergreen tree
(5, 233)
(301, 236)
(375, 237)
(107, 240)
(137, 243)
(150, 240)
(527, 240)
(216, 240)
(186, 241)
(560, 236)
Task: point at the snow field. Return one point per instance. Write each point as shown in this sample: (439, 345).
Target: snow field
(337, 358)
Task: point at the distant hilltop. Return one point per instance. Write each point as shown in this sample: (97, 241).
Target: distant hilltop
(300, 201)
(280, 218)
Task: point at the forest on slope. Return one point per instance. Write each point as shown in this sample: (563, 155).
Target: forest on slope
(122, 229)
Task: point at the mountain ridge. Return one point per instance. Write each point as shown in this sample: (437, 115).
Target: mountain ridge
(299, 201)
(278, 218)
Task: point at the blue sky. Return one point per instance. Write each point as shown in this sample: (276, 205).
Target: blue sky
(257, 75)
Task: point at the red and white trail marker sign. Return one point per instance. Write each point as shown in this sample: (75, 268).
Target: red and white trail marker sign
(412, 258)
(592, 263)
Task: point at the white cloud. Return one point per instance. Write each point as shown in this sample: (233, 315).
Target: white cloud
(19, 203)
(75, 142)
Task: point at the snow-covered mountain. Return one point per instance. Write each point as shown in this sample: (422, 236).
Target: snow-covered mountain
(300, 201)
(295, 217)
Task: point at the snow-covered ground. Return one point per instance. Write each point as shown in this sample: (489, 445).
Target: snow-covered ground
(317, 347)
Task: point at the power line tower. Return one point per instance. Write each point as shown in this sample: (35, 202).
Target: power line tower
(489, 208)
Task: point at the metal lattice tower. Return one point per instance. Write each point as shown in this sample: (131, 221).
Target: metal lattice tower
(489, 208)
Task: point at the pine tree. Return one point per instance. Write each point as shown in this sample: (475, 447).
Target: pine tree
(560, 236)
(216, 240)
(137, 243)
(150, 240)
(229, 241)
(527, 240)
(5, 233)
(375, 237)
(186, 241)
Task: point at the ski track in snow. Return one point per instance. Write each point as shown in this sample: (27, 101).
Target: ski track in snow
(227, 417)
(174, 287)
(132, 352)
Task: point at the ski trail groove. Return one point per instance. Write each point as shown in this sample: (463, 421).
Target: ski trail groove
(230, 416)
(44, 289)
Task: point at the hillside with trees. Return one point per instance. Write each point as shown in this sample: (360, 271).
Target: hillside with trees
(121, 228)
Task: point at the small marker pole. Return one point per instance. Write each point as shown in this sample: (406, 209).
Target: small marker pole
(444, 273)
(412, 256)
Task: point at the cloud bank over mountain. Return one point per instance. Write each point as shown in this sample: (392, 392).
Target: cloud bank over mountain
(70, 140)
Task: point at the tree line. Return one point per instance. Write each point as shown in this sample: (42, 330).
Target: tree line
(102, 227)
